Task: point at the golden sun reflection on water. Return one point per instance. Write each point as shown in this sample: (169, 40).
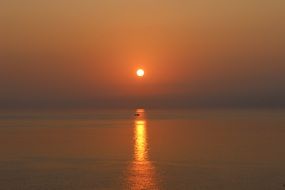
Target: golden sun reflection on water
(141, 174)
(140, 141)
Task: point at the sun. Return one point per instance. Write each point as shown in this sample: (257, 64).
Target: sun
(140, 72)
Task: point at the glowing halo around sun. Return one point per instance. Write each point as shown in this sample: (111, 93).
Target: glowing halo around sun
(140, 72)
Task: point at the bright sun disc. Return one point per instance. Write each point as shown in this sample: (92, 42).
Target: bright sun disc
(140, 73)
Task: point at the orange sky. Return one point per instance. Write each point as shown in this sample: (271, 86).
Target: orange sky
(85, 53)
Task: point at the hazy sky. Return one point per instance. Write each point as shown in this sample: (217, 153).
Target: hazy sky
(210, 53)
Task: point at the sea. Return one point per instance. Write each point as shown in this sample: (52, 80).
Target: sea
(143, 149)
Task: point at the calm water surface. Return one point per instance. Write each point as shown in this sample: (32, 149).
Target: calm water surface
(159, 149)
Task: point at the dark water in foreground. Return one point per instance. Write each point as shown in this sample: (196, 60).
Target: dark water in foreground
(196, 150)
